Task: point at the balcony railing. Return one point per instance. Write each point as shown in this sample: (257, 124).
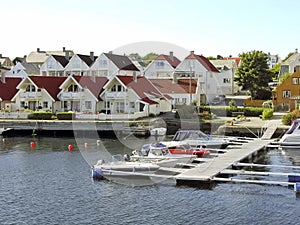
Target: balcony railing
(70, 95)
(115, 95)
(30, 95)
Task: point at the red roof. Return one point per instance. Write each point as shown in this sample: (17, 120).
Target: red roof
(204, 61)
(141, 86)
(237, 60)
(167, 86)
(173, 62)
(50, 83)
(8, 89)
(94, 84)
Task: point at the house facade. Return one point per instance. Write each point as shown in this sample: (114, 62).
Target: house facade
(287, 94)
(290, 65)
(79, 65)
(162, 67)
(6, 62)
(207, 75)
(54, 65)
(81, 94)
(38, 93)
(110, 65)
(133, 94)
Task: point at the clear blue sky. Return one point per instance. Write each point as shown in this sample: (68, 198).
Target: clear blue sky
(208, 27)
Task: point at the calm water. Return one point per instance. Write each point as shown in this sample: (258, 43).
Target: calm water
(50, 185)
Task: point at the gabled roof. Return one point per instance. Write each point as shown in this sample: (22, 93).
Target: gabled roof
(142, 87)
(122, 62)
(8, 89)
(237, 60)
(51, 84)
(168, 86)
(94, 84)
(173, 61)
(87, 59)
(41, 56)
(224, 63)
(204, 61)
(61, 59)
(291, 59)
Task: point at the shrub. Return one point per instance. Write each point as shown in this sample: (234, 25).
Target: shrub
(267, 114)
(287, 119)
(40, 116)
(65, 115)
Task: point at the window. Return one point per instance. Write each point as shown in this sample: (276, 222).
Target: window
(286, 94)
(159, 64)
(295, 80)
(50, 65)
(119, 88)
(103, 62)
(226, 80)
(73, 88)
(113, 88)
(22, 104)
(45, 104)
(88, 104)
(107, 105)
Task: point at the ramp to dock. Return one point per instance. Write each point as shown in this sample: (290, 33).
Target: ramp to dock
(271, 128)
(206, 171)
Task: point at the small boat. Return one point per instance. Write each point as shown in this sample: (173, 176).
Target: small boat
(159, 154)
(4, 130)
(198, 139)
(158, 131)
(291, 138)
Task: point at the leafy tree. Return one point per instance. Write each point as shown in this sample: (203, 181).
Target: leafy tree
(211, 58)
(275, 70)
(149, 58)
(254, 74)
(284, 77)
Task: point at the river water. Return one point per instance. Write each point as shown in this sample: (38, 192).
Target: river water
(48, 184)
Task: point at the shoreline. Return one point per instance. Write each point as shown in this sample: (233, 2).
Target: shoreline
(250, 128)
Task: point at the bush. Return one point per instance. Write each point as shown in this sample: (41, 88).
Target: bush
(267, 114)
(65, 115)
(40, 116)
(287, 119)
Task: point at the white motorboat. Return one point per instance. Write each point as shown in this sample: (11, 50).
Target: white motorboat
(160, 154)
(198, 139)
(291, 138)
(158, 131)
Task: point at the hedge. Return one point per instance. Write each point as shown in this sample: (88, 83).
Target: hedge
(227, 111)
(40, 116)
(65, 115)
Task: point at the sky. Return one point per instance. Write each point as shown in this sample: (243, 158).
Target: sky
(210, 28)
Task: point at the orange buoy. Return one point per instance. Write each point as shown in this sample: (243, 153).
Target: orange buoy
(70, 147)
(85, 145)
(32, 144)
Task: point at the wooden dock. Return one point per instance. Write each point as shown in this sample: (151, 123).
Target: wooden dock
(211, 167)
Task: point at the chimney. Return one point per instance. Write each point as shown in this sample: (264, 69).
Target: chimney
(38, 49)
(92, 56)
(67, 56)
(110, 52)
(171, 56)
(192, 53)
(64, 49)
(296, 50)
(0, 56)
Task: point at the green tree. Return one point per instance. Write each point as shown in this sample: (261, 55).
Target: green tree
(254, 74)
(149, 58)
(275, 70)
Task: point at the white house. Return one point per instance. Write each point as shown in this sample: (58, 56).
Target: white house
(227, 68)
(110, 65)
(36, 92)
(290, 65)
(82, 94)
(54, 65)
(162, 67)
(133, 95)
(199, 67)
(185, 91)
(8, 89)
(79, 65)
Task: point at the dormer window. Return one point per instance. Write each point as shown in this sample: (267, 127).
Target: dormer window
(73, 88)
(30, 88)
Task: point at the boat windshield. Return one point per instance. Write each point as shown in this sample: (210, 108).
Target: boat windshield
(293, 127)
(190, 135)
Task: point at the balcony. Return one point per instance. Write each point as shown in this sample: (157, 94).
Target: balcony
(70, 95)
(116, 95)
(30, 95)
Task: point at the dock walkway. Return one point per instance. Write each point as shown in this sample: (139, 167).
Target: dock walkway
(208, 170)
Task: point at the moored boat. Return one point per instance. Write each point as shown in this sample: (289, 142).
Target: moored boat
(198, 139)
(291, 138)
